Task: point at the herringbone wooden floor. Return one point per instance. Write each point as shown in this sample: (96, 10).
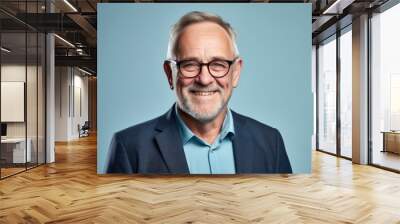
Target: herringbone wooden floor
(70, 191)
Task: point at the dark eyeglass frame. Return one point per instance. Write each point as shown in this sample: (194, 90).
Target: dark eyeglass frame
(179, 63)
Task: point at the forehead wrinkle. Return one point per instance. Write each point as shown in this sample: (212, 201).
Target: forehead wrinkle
(205, 53)
(207, 33)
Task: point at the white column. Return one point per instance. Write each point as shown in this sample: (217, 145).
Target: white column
(50, 100)
(360, 90)
(50, 91)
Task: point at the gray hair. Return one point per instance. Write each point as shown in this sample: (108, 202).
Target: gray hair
(192, 18)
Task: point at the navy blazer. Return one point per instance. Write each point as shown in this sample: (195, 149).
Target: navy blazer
(155, 146)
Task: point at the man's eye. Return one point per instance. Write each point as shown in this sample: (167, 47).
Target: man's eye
(189, 65)
(219, 65)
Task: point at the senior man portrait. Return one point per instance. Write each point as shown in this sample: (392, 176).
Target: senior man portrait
(200, 133)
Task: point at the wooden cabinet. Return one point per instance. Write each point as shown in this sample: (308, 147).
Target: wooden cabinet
(13, 150)
(391, 142)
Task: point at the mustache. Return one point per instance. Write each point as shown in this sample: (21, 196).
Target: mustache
(198, 88)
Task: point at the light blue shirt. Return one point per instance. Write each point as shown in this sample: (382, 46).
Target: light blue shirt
(204, 158)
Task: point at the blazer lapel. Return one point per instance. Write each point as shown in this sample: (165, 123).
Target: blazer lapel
(170, 143)
(243, 148)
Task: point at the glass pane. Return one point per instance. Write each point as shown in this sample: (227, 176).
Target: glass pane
(327, 96)
(346, 94)
(31, 100)
(13, 86)
(41, 98)
(386, 89)
(314, 91)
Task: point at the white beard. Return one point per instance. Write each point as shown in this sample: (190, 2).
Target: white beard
(201, 115)
(198, 113)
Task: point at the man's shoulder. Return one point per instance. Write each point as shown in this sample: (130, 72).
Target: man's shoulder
(253, 124)
(265, 142)
(144, 128)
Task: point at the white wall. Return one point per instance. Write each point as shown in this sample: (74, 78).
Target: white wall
(33, 126)
(16, 72)
(9, 73)
(71, 102)
(80, 105)
(62, 81)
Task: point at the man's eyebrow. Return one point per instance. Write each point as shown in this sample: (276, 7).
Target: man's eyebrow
(190, 59)
(218, 58)
(198, 59)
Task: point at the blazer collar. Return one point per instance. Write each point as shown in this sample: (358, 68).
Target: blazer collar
(170, 143)
(171, 147)
(243, 148)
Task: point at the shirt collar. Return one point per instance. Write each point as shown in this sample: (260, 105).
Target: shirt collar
(187, 134)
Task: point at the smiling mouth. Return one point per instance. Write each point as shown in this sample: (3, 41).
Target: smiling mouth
(203, 93)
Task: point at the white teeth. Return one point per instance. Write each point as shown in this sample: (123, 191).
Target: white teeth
(200, 93)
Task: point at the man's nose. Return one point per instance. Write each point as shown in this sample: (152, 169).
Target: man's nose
(204, 78)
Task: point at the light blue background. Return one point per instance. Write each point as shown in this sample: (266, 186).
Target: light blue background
(274, 41)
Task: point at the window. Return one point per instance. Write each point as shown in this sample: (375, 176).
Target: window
(346, 92)
(385, 88)
(22, 78)
(327, 95)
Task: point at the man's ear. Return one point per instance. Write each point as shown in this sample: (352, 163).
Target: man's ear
(236, 72)
(168, 73)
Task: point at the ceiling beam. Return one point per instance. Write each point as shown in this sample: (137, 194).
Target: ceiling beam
(86, 26)
(337, 6)
(83, 61)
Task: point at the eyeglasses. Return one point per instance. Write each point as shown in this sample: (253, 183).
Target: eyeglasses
(218, 68)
